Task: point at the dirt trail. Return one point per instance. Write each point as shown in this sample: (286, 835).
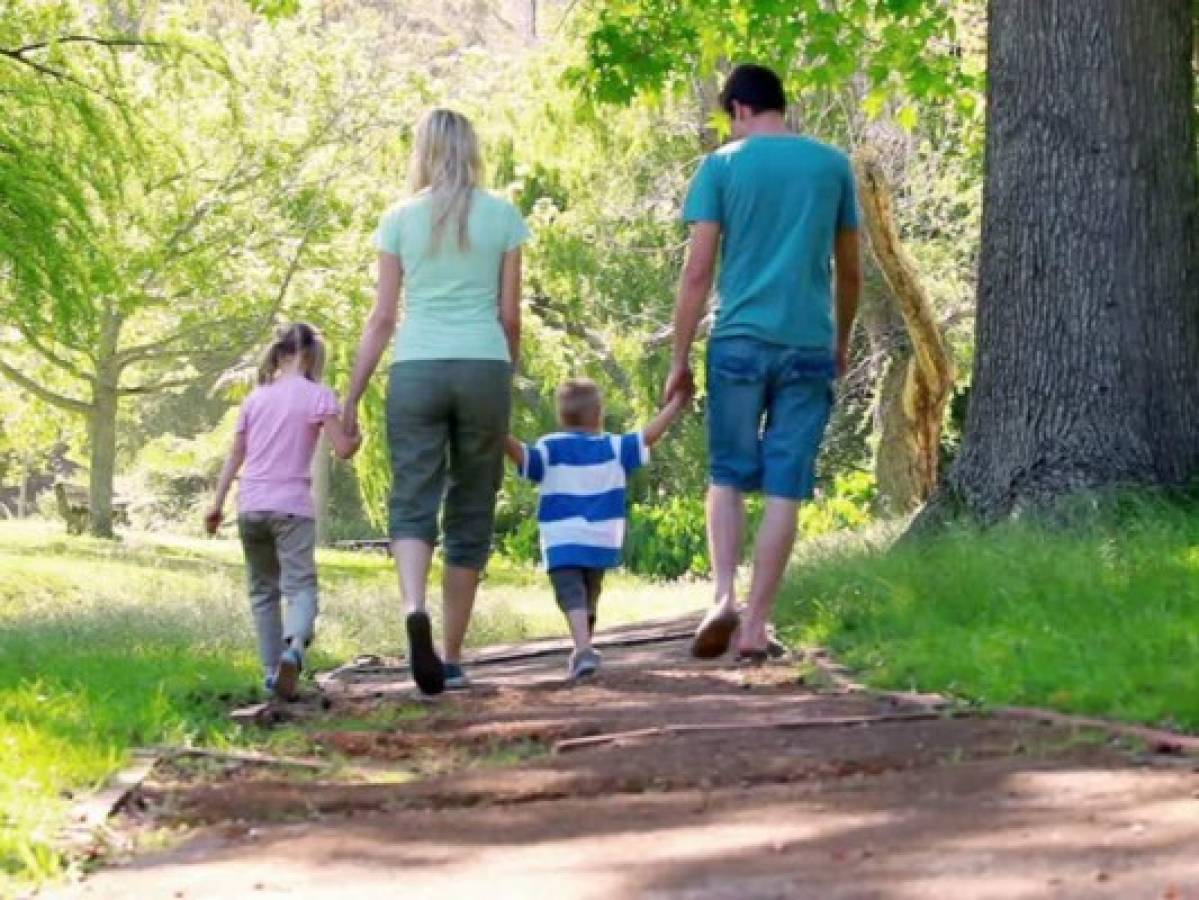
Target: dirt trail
(768, 808)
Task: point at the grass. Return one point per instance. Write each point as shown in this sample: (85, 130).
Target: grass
(105, 646)
(1102, 620)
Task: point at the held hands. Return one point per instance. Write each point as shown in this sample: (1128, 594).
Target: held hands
(680, 382)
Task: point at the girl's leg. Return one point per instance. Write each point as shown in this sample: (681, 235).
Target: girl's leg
(295, 540)
(262, 576)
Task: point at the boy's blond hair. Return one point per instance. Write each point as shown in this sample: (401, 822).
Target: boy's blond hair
(580, 403)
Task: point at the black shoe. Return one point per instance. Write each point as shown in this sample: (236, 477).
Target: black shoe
(427, 669)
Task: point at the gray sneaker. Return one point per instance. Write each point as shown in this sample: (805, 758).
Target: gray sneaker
(584, 664)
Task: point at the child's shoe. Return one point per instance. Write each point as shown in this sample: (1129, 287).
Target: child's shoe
(456, 678)
(287, 676)
(584, 664)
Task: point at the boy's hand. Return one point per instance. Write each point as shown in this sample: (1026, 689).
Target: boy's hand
(212, 520)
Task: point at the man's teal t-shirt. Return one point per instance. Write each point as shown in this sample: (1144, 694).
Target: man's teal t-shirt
(451, 294)
(780, 201)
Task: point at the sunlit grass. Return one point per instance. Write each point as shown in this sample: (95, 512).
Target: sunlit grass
(1102, 620)
(105, 646)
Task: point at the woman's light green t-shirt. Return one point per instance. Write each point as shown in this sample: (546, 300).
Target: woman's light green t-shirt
(451, 296)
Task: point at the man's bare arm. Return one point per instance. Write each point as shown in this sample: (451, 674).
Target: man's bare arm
(694, 287)
(847, 254)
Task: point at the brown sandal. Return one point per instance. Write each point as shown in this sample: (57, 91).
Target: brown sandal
(714, 634)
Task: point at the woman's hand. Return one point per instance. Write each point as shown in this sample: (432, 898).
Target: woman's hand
(349, 422)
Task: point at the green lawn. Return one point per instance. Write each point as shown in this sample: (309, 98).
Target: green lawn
(105, 646)
(1103, 621)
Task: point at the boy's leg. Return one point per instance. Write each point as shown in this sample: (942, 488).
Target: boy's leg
(595, 586)
(295, 538)
(570, 590)
(262, 577)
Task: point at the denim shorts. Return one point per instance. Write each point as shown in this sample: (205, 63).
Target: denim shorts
(768, 407)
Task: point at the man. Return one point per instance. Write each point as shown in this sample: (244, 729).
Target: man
(779, 209)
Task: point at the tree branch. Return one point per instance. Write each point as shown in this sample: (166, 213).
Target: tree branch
(51, 357)
(156, 387)
(87, 39)
(44, 393)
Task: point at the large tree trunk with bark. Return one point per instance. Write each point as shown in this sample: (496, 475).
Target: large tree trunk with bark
(1087, 335)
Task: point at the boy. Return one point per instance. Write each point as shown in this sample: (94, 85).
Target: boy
(582, 473)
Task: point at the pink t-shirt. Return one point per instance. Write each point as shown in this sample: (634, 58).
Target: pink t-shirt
(281, 422)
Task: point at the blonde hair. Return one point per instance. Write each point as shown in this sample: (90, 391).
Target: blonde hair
(446, 161)
(580, 403)
(291, 340)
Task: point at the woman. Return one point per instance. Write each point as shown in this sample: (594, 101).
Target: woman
(457, 248)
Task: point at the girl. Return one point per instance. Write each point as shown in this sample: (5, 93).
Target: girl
(276, 437)
(456, 249)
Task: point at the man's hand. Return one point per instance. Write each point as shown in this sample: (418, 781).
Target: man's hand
(212, 520)
(681, 380)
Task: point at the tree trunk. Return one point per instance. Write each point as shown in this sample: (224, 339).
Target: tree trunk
(102, 440)
(1087, 333)
(102, 425)
(918, 380)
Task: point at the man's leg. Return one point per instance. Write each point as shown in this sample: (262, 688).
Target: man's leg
(800, 403)
(776, 539)
(726, 533)
(736, 400)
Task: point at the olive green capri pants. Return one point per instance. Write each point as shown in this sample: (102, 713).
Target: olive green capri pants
(446, 424)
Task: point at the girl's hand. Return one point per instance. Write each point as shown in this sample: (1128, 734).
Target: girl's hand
(212, 520)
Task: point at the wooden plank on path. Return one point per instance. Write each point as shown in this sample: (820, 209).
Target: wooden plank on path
(599, 740)
(88, 817)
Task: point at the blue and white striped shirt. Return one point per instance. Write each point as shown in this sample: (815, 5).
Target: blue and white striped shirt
(581, 511)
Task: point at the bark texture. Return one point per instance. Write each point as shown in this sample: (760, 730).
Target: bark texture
(917, 383)
(1087, 335)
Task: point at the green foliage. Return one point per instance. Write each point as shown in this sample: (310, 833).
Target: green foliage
(668, 539)
(1101, 619)
(650, 47)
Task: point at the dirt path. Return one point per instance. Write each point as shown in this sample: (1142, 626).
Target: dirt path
(469, 799)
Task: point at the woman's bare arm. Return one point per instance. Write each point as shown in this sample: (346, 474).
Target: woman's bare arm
(510, 303)
(380, 326)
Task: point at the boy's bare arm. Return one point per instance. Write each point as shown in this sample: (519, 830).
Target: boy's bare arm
(515, 451)
(657, 426)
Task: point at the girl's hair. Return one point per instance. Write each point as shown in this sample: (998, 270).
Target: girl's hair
(445, 159)
(291, 340)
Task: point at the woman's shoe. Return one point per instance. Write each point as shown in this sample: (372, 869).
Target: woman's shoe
(427, 669)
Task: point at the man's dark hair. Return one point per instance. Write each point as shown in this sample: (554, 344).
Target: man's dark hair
(754, 86)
